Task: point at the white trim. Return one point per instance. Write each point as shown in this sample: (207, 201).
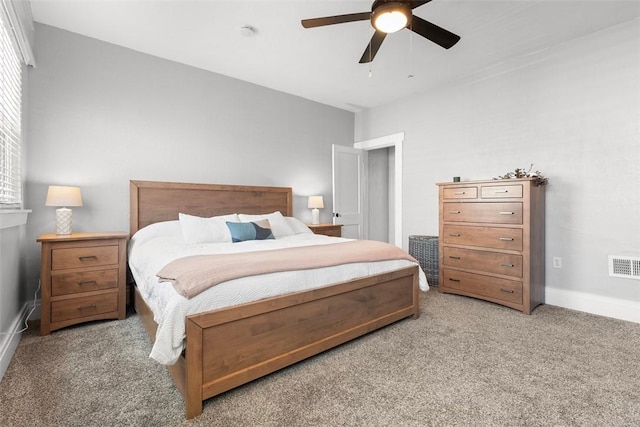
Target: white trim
(594, 304)
(20, 19)
(394, 140)
(9, 341)
(13, 218)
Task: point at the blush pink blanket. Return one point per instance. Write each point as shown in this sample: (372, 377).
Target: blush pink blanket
(194, 274)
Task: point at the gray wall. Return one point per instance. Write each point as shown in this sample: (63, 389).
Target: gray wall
(101, 115)
(572, 111)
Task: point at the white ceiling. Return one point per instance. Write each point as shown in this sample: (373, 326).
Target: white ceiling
(321, 64)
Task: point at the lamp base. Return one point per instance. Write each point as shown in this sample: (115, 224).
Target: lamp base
(315, 216)
(63, 221)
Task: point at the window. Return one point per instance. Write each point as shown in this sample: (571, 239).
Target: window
(10, 119)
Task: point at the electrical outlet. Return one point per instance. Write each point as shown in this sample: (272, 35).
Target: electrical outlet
(557, 262)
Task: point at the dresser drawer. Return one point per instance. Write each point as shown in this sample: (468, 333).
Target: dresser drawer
(83, 307)
(501, 191)
(90, 256)
(491, 262)
(499, 213)
(486, 237)
(460, 193)
(84, 281)
(483, 286)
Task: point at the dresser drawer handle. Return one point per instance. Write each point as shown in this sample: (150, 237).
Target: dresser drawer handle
(501, 191)
(85, 258)
(87, 282)
(454, 257)
(507, 213)
(454, 234)
(459, 193)
(454, 212)
(507, 291)
(506, 239)
(503, 264)
(454, 280)
(85, 307)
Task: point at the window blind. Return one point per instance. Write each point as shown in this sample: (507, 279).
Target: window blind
(10, 119)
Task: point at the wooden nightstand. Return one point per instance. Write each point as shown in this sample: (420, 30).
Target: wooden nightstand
(82, 278)
(334, 230)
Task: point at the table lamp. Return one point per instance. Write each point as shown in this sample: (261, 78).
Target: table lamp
(63, 197)
(315, 202)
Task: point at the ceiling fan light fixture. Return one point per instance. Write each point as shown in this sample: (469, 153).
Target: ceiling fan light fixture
(391, 17)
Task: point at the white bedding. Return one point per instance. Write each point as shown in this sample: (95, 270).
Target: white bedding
(149, 251)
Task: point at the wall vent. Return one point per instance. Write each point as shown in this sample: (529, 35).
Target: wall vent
(624, 266)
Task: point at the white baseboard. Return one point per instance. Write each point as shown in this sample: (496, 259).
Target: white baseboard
(9, 340)
(594, 304)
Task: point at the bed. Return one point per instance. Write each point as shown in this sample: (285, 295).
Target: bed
(271, 333)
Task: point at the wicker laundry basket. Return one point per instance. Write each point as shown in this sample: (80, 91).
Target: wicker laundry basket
(425, 250)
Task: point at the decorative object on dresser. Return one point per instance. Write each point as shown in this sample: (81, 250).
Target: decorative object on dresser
(82, 277)
(315, 203)
(63, 197)
(492, 241)
(334, 230)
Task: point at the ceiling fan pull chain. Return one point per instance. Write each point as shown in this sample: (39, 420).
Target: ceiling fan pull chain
(410, 50)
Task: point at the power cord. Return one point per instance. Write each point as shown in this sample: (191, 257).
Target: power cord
(26, 320)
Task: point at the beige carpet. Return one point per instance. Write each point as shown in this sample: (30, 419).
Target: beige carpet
(463, 363)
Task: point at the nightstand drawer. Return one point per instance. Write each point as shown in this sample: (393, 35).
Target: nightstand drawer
(75, 308)
(490, 262)
(85, 281)
(484, 286)
(90, 256)
(499, 213)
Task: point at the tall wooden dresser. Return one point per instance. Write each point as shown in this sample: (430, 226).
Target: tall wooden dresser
(491, 242)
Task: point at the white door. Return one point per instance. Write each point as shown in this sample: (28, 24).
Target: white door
(348, 190)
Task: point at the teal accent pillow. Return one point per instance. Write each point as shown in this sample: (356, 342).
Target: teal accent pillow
(243, 231)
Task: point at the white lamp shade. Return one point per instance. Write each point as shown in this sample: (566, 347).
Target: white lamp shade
(63, 196)
(316, 202)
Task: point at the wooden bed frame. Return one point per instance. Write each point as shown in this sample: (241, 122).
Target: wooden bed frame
(267, 335)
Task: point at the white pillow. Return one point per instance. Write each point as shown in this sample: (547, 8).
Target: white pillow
(196, 229)
(158, 229)
(279, 226)
(297, 226)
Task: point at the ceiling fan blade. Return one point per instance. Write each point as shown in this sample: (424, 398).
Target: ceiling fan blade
(430, 31)
(339, 19)
(372, 47)
(415, 4)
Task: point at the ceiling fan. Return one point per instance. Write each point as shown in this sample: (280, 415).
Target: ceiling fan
(389, 16)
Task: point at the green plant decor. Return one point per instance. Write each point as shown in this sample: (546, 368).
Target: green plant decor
(521, 173)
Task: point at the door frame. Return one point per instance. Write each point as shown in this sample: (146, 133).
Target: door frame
(395, 140)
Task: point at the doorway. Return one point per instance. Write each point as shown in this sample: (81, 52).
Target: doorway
(388, 150)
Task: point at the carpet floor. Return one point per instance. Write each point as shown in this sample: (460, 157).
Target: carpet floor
(465, 362)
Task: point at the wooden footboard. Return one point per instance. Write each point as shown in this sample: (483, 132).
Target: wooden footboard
(229, 347)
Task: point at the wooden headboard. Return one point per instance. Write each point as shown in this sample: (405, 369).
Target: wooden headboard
(154, 201)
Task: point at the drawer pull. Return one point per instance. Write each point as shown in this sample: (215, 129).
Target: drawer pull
(503, 264)
(454, 212)
(85, 258)
(501, 191)
(459, 193)
(454, 234)
(85, 307)
(87, 282)
(508, 291)
(506, 213)
(506, 239)
(454, 257)
(454, 280)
